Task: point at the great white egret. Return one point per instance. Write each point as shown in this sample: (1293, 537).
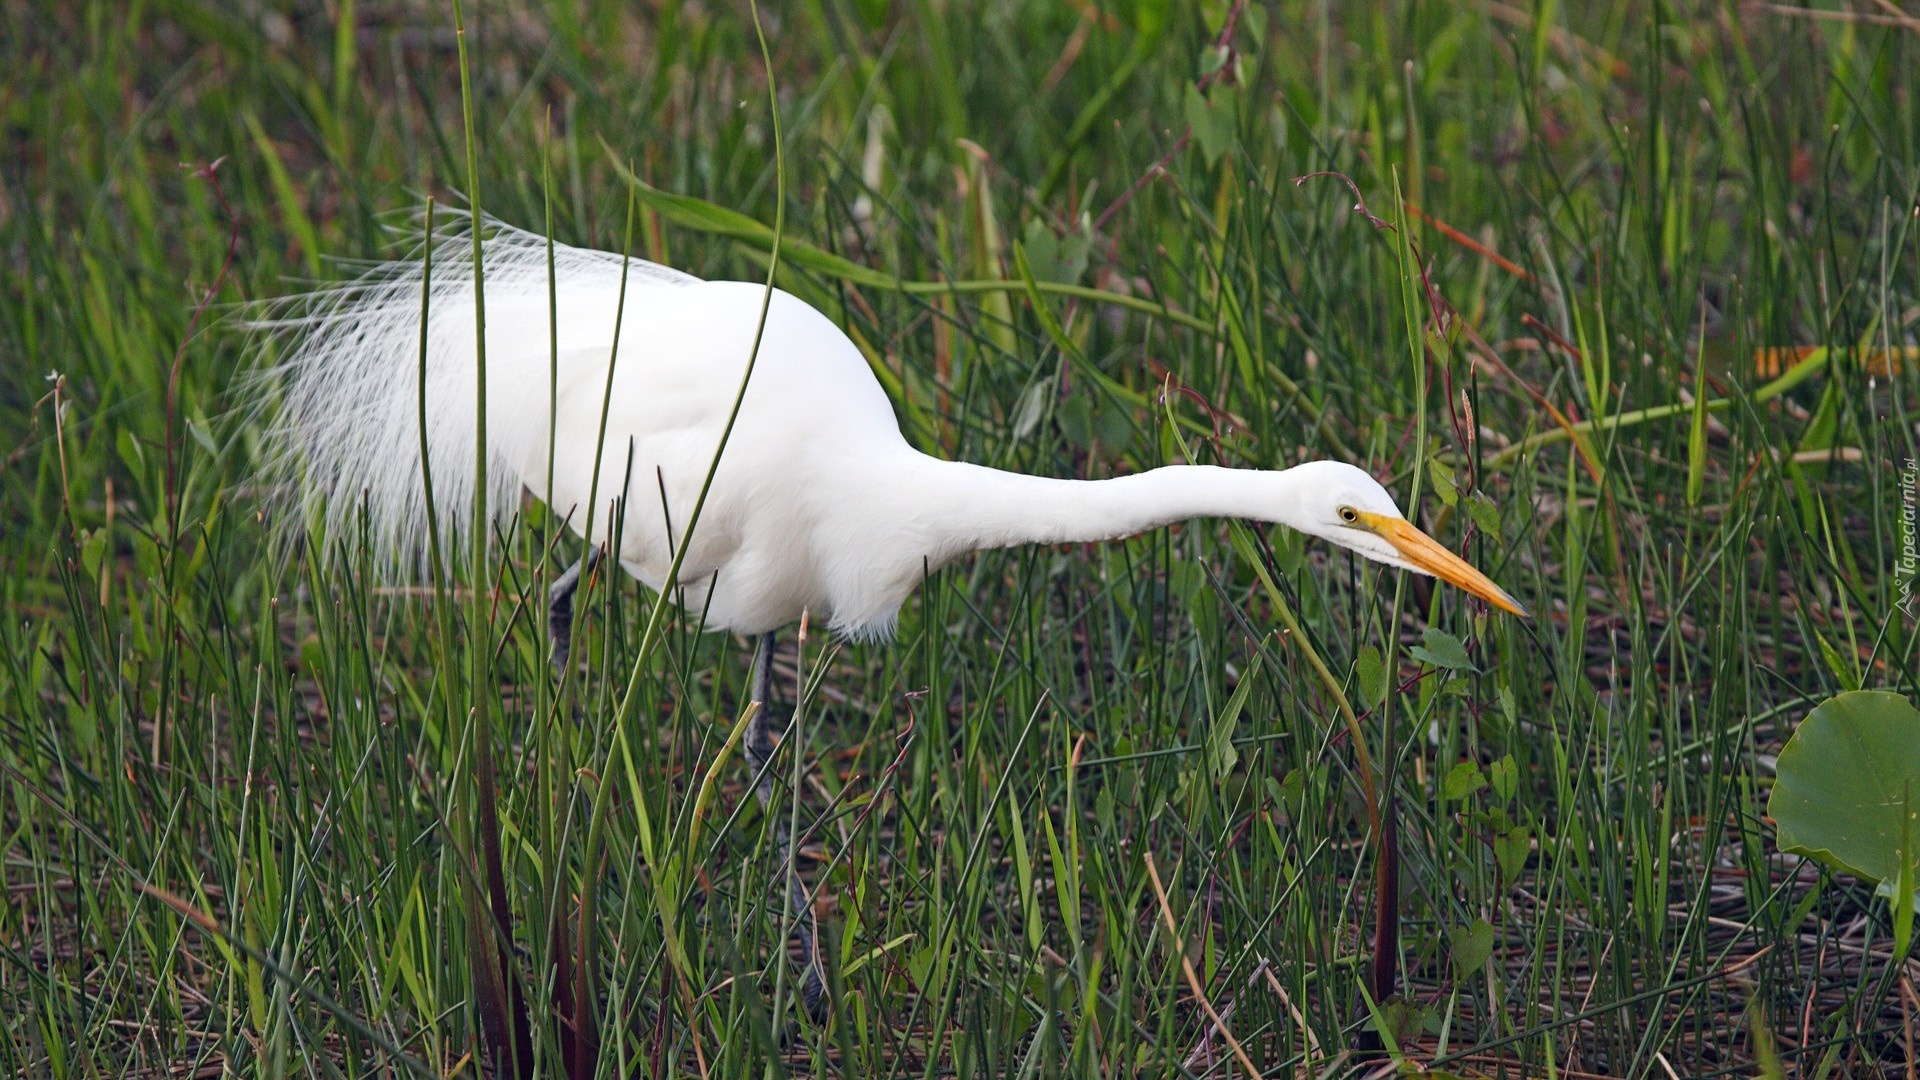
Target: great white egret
(819, 503)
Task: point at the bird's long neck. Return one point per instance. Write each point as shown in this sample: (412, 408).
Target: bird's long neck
(964, 507)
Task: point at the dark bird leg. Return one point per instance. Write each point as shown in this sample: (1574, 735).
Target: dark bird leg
(560, 608)
(759, 747)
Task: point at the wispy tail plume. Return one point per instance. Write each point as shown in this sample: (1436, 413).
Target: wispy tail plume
(346, 434)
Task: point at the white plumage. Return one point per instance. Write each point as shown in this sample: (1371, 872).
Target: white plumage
(819, 504)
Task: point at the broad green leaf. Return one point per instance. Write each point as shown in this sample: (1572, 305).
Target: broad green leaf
(1511, 849)
(198, 429)
(1254, 18)
(131, 452)
(1442, 650)
(1484, 513)
(1150, 18)
(920, 965)
(1444, 484)
(1372, 671)
(1055, 258)
(93, 549)
(1462, 780)
(1212, 121)
(1505, 777)
(1403, 1019)
(1075, 417)
(1848, 786)
(1470, 946)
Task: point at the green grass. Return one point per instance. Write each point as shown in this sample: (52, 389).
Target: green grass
(1590, 884)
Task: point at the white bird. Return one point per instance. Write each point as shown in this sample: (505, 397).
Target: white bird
(819, 503)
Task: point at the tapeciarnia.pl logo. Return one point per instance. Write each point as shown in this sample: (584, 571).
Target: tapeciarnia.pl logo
(1907, 569)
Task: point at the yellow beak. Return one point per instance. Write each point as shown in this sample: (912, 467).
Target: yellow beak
(1426, 554)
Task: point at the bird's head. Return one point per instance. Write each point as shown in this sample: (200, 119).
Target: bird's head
(1343, 505)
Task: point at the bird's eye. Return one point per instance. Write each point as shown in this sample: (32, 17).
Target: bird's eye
(1349, 515)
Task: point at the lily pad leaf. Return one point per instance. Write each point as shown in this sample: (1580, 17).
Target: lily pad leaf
(1847, 787)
